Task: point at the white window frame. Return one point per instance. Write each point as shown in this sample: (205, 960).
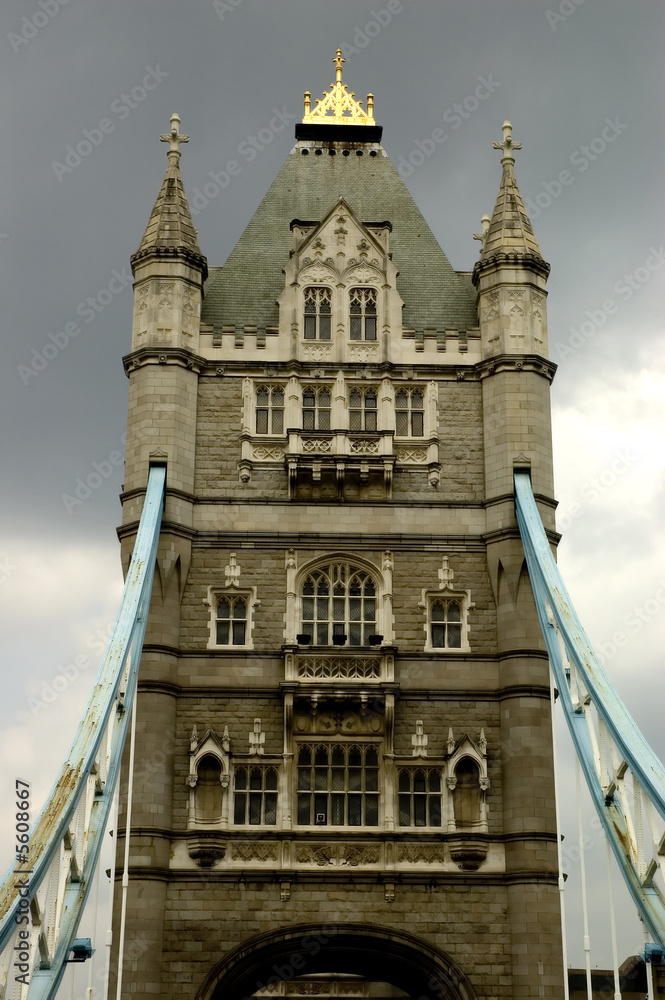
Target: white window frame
(270, 387)
(364, 390)
(410, 390)
(317, 409)
(428, 600)
(248, 594)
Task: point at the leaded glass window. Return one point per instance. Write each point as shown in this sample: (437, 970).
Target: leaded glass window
(255, 796)
(419, 797)
(270, 409)
(446, 624)
(318, 313)
(363, 410)
(316, 403)
(231, 624)
(338, 785)
(339, 606)
(362, 314)
(409, 413)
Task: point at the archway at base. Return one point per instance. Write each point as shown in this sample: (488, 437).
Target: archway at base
(375, 953)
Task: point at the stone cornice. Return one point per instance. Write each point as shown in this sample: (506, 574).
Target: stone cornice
(516, 363)
(529, 261)
(163, 356)
(181, 253)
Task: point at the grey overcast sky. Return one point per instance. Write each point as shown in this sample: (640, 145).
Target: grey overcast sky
(582, 82)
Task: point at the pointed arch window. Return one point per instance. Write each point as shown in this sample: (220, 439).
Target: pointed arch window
(339, 606)
(316, 404)
(410, 413)
(270, 409)
(362, 314)
(231, 620)
(318, 313)
(446, 624)
(208, 794)
(338, 785)
(363, 410)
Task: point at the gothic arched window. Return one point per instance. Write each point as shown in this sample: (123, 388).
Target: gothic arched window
(316, 403)
(318, 313)
(363, 410)
(339, 606)
(270, 409)
(409, 413)
(446, 624)
(338, 785)
(419, 797)
(362, 314)
(231, 620)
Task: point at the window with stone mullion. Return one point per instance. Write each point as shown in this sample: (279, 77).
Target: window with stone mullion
(270, 409)
(318, 314)
(362, 314)
(419, 797)
(255, 796)
(446, 625)
(341, 611)
(363, 410)
(338, 786)
(409, 413)
(316, 409)
(231, 625)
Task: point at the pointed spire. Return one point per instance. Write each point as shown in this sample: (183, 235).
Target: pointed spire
(509, 231)
(170, 231)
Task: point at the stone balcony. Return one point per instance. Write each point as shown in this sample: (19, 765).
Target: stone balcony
(341, 462)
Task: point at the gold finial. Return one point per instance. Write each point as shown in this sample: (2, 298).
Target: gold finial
(507, 144)
(339, 107)
(174, 138)
(338, 60)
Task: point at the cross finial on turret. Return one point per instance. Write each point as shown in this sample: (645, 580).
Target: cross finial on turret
(507, 144)
(338, 60)
(174, 137)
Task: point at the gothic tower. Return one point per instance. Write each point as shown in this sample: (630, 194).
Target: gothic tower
(343, 781)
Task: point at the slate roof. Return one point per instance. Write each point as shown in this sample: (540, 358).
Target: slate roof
(245, 289)
(510, 227)
(170, 228)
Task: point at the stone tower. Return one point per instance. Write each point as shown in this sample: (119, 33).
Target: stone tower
(343, 781)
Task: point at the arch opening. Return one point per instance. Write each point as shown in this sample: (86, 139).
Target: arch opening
(377, 954)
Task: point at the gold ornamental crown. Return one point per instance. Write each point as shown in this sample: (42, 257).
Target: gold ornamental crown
(338, 107)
